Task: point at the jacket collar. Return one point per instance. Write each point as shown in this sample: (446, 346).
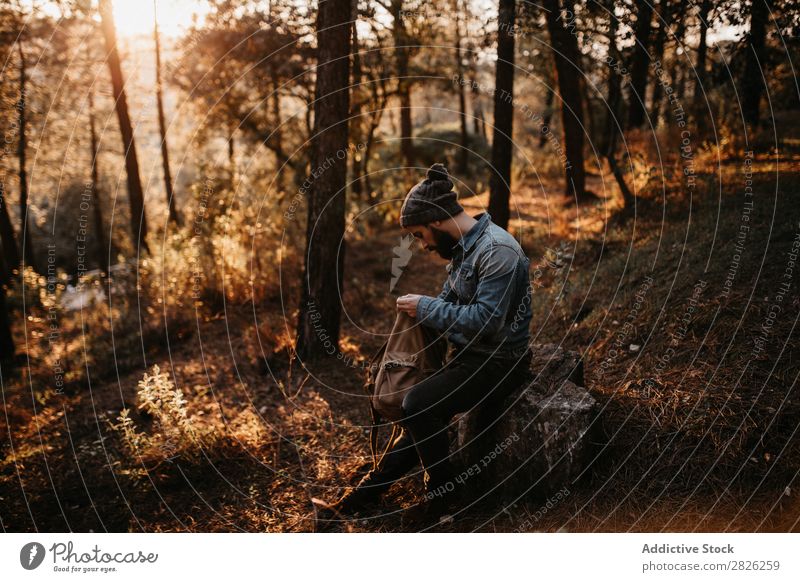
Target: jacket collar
(468, 240)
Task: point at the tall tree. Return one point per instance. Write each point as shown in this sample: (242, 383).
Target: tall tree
(613, 126)
(641, 63)
(568, 76)
(135, 192)
(402, 55)
(100, 236)
(502, 143)
(664, 23)
(463, 155)
(753, 79)
(162, 126)
(28, 256)
(6, 336)
(700, 65)
(320, 308)
(7, 241)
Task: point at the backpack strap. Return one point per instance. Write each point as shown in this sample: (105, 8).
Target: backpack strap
(369, 387)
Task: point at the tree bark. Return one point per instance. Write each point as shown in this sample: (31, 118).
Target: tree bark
(700, 67)
(356, 121)
(613, 121)
(665, 10)
(680, 32)
(6, 335)
(277, 134)
(641, 63)
(502, 142)
(568, 76)
(320, 307)
(100, 236)
(463, 156)
(162, 126)
(9, 243)
(402, 57)
(753, 80)
(135, 193)
(547, 116)
(28, 257)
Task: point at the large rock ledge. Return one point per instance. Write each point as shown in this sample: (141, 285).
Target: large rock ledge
(541, 442)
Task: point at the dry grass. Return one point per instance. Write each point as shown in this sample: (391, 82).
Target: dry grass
(228, 435)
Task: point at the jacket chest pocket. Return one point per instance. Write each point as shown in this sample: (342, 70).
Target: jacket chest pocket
(466, 282)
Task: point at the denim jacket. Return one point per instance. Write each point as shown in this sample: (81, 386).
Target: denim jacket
(485, 303)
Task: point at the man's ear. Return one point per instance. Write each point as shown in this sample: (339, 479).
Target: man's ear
(436, 223)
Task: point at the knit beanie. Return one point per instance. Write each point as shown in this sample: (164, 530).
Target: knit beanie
(430, 200)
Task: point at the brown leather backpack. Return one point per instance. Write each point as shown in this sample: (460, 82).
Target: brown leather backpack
(412, 353)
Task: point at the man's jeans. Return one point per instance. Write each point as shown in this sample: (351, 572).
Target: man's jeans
(466, 381)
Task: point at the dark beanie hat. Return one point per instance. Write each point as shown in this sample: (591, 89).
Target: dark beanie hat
(430, 200)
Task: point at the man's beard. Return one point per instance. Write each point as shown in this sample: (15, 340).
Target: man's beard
(445, 243)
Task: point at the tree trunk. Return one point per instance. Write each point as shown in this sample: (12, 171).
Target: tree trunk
(277, 134)
(9, 243)
(547, 116)
(356, 121)
(613, 121)
(463, 156)
(641, 63)
(568, 76)
(135, 193)
(665, 10)
(401, 52)
(502, 143)
(679, 67)
(753, 80)
(700, 68)
(162, 126)
(320, 307)
(28, 257)
(6, 336)
(100, 237)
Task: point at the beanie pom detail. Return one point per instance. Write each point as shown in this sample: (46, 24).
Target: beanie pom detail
(437, 172)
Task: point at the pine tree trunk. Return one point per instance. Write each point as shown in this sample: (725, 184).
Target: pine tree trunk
(135, 192)
(753, 80)
(100, 236)
(665, 21)
(6, 336)
(162, 127)
(320, 307)
(9, 243)
(28, 257)
(613, 121)
(463, 156)
(356, 121)
(641, 63)
(568, 76)
(277, 134)
(547, 116)
(698, 99)
(502, 144)
(401, 52)
(680, 67)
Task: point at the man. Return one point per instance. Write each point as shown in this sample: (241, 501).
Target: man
(484, 309)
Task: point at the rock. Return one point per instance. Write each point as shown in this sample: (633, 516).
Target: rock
(541, 442)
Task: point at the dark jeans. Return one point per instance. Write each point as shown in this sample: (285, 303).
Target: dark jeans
(466, 381)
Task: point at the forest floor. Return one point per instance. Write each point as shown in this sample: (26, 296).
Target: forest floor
(698, 426)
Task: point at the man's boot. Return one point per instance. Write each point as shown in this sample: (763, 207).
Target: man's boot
(398, 460)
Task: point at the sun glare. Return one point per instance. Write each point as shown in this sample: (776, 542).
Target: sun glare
(135, 17)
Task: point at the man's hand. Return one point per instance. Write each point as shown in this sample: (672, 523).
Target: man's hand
(408, 303)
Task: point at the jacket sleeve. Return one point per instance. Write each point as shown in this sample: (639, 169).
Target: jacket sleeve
(487, 313)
